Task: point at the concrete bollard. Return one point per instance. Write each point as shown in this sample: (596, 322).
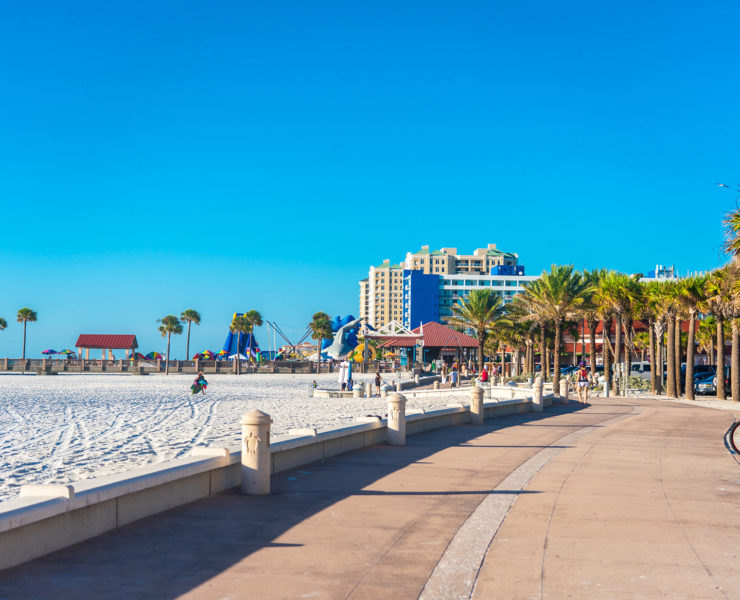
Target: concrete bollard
(357, 393)
(398, 386)
(369, 390)
(476, 406)
(396, 420)
(256, 453)
(416, 379)
(436, 385)
(537, 395)
(564, 389)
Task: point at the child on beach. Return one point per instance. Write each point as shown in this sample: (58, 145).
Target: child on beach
(200, 384)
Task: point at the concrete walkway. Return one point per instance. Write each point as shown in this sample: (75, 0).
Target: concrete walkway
(623, 498)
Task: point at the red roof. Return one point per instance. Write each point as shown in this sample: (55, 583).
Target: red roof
(435, 335)
(107, 342)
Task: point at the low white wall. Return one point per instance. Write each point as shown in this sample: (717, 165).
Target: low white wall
(45, 518)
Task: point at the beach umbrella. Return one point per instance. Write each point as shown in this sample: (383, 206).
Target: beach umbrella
(207, 354)
(49, 351)
(138, 356)
(153, 355)
(68, 351)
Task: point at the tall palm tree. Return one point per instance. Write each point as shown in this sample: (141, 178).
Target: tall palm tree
(242, 325)
(481, 311)
(692, 294)
(705, 337)
(590, 311)
(25, 316)
(169, 325)
(720, 303)
(189, 316)
(558, 296)
(3, 324)
(320, 330)
(602, 300)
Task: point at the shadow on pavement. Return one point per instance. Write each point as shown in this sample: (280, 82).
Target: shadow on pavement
(169, 554)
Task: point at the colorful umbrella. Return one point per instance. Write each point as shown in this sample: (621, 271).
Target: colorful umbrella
(68, 351)
(138, 356)
(153, 355)
(49, 351)
(207, 355)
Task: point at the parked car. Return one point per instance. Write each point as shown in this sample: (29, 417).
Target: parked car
(705, 384)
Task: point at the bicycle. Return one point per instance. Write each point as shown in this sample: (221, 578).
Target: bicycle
(734, 436)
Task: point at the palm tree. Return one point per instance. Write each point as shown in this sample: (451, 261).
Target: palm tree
(590, 311)
(189, 316)
(3, 324)
(481, 311)
(720, 303)
(170, 324)
(557, 296)
(705, 337)
(320, 330)
(26, 315)
(243, 324)
(691, 293)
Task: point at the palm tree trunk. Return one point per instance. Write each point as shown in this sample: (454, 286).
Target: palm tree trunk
(548, 373)
(592, 344)
(653, 362)
(677, 371)
(617, 339)
(556, 358)
(671, 347)
(187, 344)
(543, 349)
(627, 353)
(734, 366)
(167, 359)
(721, 358)
(481, 341)
(24, 340)
(605, 326)
(689, 383)
(711, 352)
(318, 355)
(517, 361)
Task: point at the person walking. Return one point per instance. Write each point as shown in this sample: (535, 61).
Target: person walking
(378, 380)
(454, 376)
(581, 376)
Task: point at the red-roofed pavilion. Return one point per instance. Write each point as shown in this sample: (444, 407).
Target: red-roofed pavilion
(106, 343)
(435, 340)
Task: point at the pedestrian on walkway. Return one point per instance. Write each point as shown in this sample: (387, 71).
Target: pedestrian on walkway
(378, 380)
(581, 376)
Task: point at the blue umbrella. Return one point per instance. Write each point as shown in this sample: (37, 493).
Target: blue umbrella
(49, 351)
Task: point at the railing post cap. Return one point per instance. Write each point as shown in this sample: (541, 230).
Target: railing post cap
(476, 391)
(256, 417)
(396, 398)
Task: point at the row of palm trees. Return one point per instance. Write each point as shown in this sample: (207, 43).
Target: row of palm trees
(562, 298)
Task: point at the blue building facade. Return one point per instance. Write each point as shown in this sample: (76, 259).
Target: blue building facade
(420, 298)
(430, 297)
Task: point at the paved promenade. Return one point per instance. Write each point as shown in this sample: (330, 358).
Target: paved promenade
(623, 498)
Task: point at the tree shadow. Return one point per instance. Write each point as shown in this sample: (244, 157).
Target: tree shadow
(170, 554)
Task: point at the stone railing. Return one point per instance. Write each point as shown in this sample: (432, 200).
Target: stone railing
(45, 518)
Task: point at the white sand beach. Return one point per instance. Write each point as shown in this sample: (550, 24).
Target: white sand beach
(71, 427)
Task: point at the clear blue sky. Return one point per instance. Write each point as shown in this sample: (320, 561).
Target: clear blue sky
(157, 156)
